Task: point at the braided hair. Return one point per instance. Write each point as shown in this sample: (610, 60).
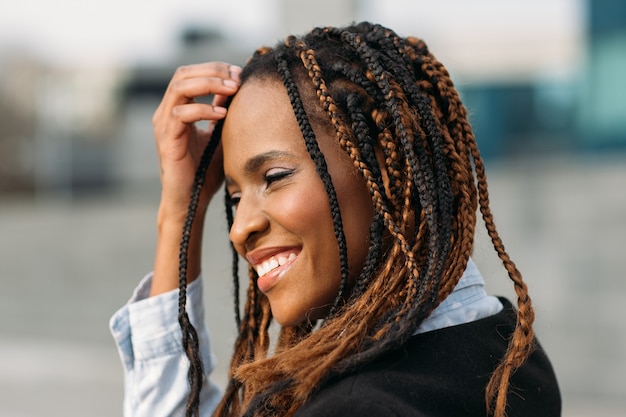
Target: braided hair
(394, 110)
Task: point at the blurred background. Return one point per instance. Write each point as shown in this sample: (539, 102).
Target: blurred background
(79, 79)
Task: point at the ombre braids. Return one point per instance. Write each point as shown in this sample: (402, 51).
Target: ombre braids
(393, 108)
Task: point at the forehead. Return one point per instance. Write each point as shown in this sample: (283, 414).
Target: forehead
(260, 119)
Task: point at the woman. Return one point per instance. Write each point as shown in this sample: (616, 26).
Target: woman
(352, 179)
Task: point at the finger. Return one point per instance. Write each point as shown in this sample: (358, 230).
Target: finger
(195, 112)
(219, 100)
(197, 87)
(184, 91)
(191, 75)
(177, 123)
(198, 80)
(235, 72)
(206, 69)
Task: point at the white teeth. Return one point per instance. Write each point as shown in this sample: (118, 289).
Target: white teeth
(273, 263)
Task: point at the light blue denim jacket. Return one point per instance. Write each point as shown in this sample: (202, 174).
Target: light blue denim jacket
(155, 366)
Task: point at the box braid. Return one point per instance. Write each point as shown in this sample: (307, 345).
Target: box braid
(375, 64)
(189, 335)
(395, 111)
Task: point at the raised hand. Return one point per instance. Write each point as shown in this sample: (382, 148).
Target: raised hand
(180, 143)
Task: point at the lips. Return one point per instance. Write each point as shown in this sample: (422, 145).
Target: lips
(271, 264)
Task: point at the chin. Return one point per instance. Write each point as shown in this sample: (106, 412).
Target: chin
(288, 320)
(295, 319)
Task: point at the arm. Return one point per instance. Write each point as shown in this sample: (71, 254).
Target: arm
(146, 330)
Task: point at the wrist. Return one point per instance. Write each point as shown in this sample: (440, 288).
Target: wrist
(166, 264)
(174, 212)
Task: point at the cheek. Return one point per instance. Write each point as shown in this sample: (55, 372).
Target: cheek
(305, 210)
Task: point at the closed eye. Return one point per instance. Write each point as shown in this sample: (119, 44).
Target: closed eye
(233, 199)
(277, 174)
(270, 177)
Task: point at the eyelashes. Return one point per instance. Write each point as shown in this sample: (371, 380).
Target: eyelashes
(276, 174)
(270, 177)
(232, 200)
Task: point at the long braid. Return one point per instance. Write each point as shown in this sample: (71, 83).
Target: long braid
(458, 154)
(437, 136)
(369, 169)
(521, 341)
(422, 177)
(235, 259)
(393, 45)
(406, 52)
(190, 342)
(228, 206)
(378, 73)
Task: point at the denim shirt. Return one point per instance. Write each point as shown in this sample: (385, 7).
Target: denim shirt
(148, 339)
(466, 303)
(149, 342)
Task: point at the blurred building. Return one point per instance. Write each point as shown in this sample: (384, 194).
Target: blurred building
(55, 125)
(601, 111)
(17, 112)
(579, 109)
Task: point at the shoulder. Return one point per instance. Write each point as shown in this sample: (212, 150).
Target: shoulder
(441, 373)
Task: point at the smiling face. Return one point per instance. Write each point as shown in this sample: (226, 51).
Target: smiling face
(283, 225)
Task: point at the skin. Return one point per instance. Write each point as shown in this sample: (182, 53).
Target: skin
(282, 211)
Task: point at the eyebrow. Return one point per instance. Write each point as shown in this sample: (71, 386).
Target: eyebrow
(253, 164)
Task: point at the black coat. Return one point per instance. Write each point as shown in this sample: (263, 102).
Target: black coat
(442, 373)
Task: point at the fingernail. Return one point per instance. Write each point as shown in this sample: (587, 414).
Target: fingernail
(230, 83)
(235, 70)
(219, 110)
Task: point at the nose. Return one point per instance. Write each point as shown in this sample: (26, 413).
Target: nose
(249, 220)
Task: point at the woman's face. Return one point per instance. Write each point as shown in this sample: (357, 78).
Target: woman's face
(282, 224)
